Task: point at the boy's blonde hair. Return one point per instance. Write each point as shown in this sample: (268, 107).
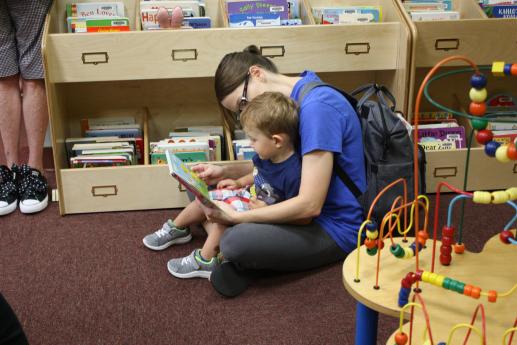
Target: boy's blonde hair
(272, 113)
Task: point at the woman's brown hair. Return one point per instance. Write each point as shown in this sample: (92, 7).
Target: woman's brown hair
(234, 67)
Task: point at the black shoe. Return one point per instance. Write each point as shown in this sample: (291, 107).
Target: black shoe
(8, 191)
(32, 189)
(228, 280)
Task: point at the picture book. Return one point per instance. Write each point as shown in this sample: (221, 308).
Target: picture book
(455, 135)
(105, 121)
(505, 137)
(258, 7)
(504, 11)
(82, 25)
(189, 179)
(95, 9)
(438, 145)
(330, 15)
(249, 20)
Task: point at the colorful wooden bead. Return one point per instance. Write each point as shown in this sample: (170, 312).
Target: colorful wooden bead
(507, 69)
(478, 81)
(448, 231)
(467, 291)
(513, 70)
(370, 243)
(459, 248)
(479, 124)
(380, 244)
(445, 260)
(372, 234)
(498, 69)
(477, 109)
(491, 147)
(484, 136)
(371, 226)
(445, 249)
(401, 338)
(481, 197)
(512, 192)
(477, 95)
(500, 197)
(501, 155)
(371, 251)
(447, 241)
(511, 152)
(505, 235)
(397, 251)
(476, 292)
(492, 296)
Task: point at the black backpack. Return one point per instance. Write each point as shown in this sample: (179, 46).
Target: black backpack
(388, 148)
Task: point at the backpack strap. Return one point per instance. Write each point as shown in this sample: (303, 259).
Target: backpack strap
(337, 169)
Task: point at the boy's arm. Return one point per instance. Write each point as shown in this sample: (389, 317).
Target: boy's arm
(245, 180)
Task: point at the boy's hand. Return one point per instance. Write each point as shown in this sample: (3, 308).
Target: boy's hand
(210, 173)
(228, 184)
(256, 203)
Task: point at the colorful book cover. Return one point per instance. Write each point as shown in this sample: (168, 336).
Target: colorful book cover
(121, 133)
(505, 11)
(438, 145)
(455, 135)
(258, 7)
(505, 137)
(189, 179)
(186, 157)
(95, 9)
(81, 25)
(446, 3)
(330, 15)
(250, 20)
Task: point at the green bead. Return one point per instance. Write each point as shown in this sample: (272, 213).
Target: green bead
(460, 287)
(479, 124)
(447, 283)
(397, 251)
(371, 251)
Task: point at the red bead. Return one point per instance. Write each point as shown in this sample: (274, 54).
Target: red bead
(511, 151)
(406, 283)
(447, 241)
(448, 231)
(505, 235)
(477, 109)
(369, 243)
(459, 248)
(446, 250)
(418, 275)
(476, 292)
(380, 244)
(401, 338)
(513, 70)
(445, 260)
(492, 296)
(484, 136)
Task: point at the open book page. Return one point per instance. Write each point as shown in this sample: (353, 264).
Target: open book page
(189, 179)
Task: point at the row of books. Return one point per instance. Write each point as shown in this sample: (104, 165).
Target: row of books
(347, 14)
(190, 144)
(106, 141)
(242, 149)
(428, 10)
(499, 8)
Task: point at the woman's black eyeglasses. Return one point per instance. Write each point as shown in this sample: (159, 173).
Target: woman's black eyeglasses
(244, 98)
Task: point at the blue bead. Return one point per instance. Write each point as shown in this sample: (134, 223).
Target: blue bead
(491, 147)
(371, 226)
(508, 69)
(478, 81)
(442, 343)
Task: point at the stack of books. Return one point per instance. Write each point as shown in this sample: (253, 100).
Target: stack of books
(96, 17)
(193, 13)
(255, 13)
(420, 10)
(106, 141)
(499, 8)
(190, 144)
(242, 149)
(505, 106)
(440, 131)
(347, 14)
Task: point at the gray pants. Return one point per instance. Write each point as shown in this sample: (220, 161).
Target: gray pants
(279, 247)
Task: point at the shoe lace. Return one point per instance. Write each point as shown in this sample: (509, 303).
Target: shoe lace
(5, 175)
(187, 260)
(162, 232)
(7, 188)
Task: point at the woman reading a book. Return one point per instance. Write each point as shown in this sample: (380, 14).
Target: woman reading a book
(268, 238)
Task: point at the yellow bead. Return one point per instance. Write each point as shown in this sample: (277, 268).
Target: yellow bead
(481, 197)
(439, 280)
(372, 235)
(425, 276)
(498, 68)
(408, 253)
(499, 197)
(500, 154)
(512, 193)
(478, 96)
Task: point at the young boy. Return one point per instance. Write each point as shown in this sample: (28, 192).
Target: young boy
(271, 123)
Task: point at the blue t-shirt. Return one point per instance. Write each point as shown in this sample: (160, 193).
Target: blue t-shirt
(329, 123)
(275, 182)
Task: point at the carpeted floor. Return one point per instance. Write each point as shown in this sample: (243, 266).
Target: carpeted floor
(87, 279)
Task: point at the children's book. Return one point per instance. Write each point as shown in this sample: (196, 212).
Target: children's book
(189, 180)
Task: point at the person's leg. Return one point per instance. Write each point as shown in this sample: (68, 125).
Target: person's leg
(10, 99)
(35, 116)
(11, 331)
(211, 246)
(249, 247)
(28, 18)
(190, 215)
(10, 117)
(279, 247)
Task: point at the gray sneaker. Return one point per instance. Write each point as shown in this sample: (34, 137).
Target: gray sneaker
(191, 267)
(167, 236)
